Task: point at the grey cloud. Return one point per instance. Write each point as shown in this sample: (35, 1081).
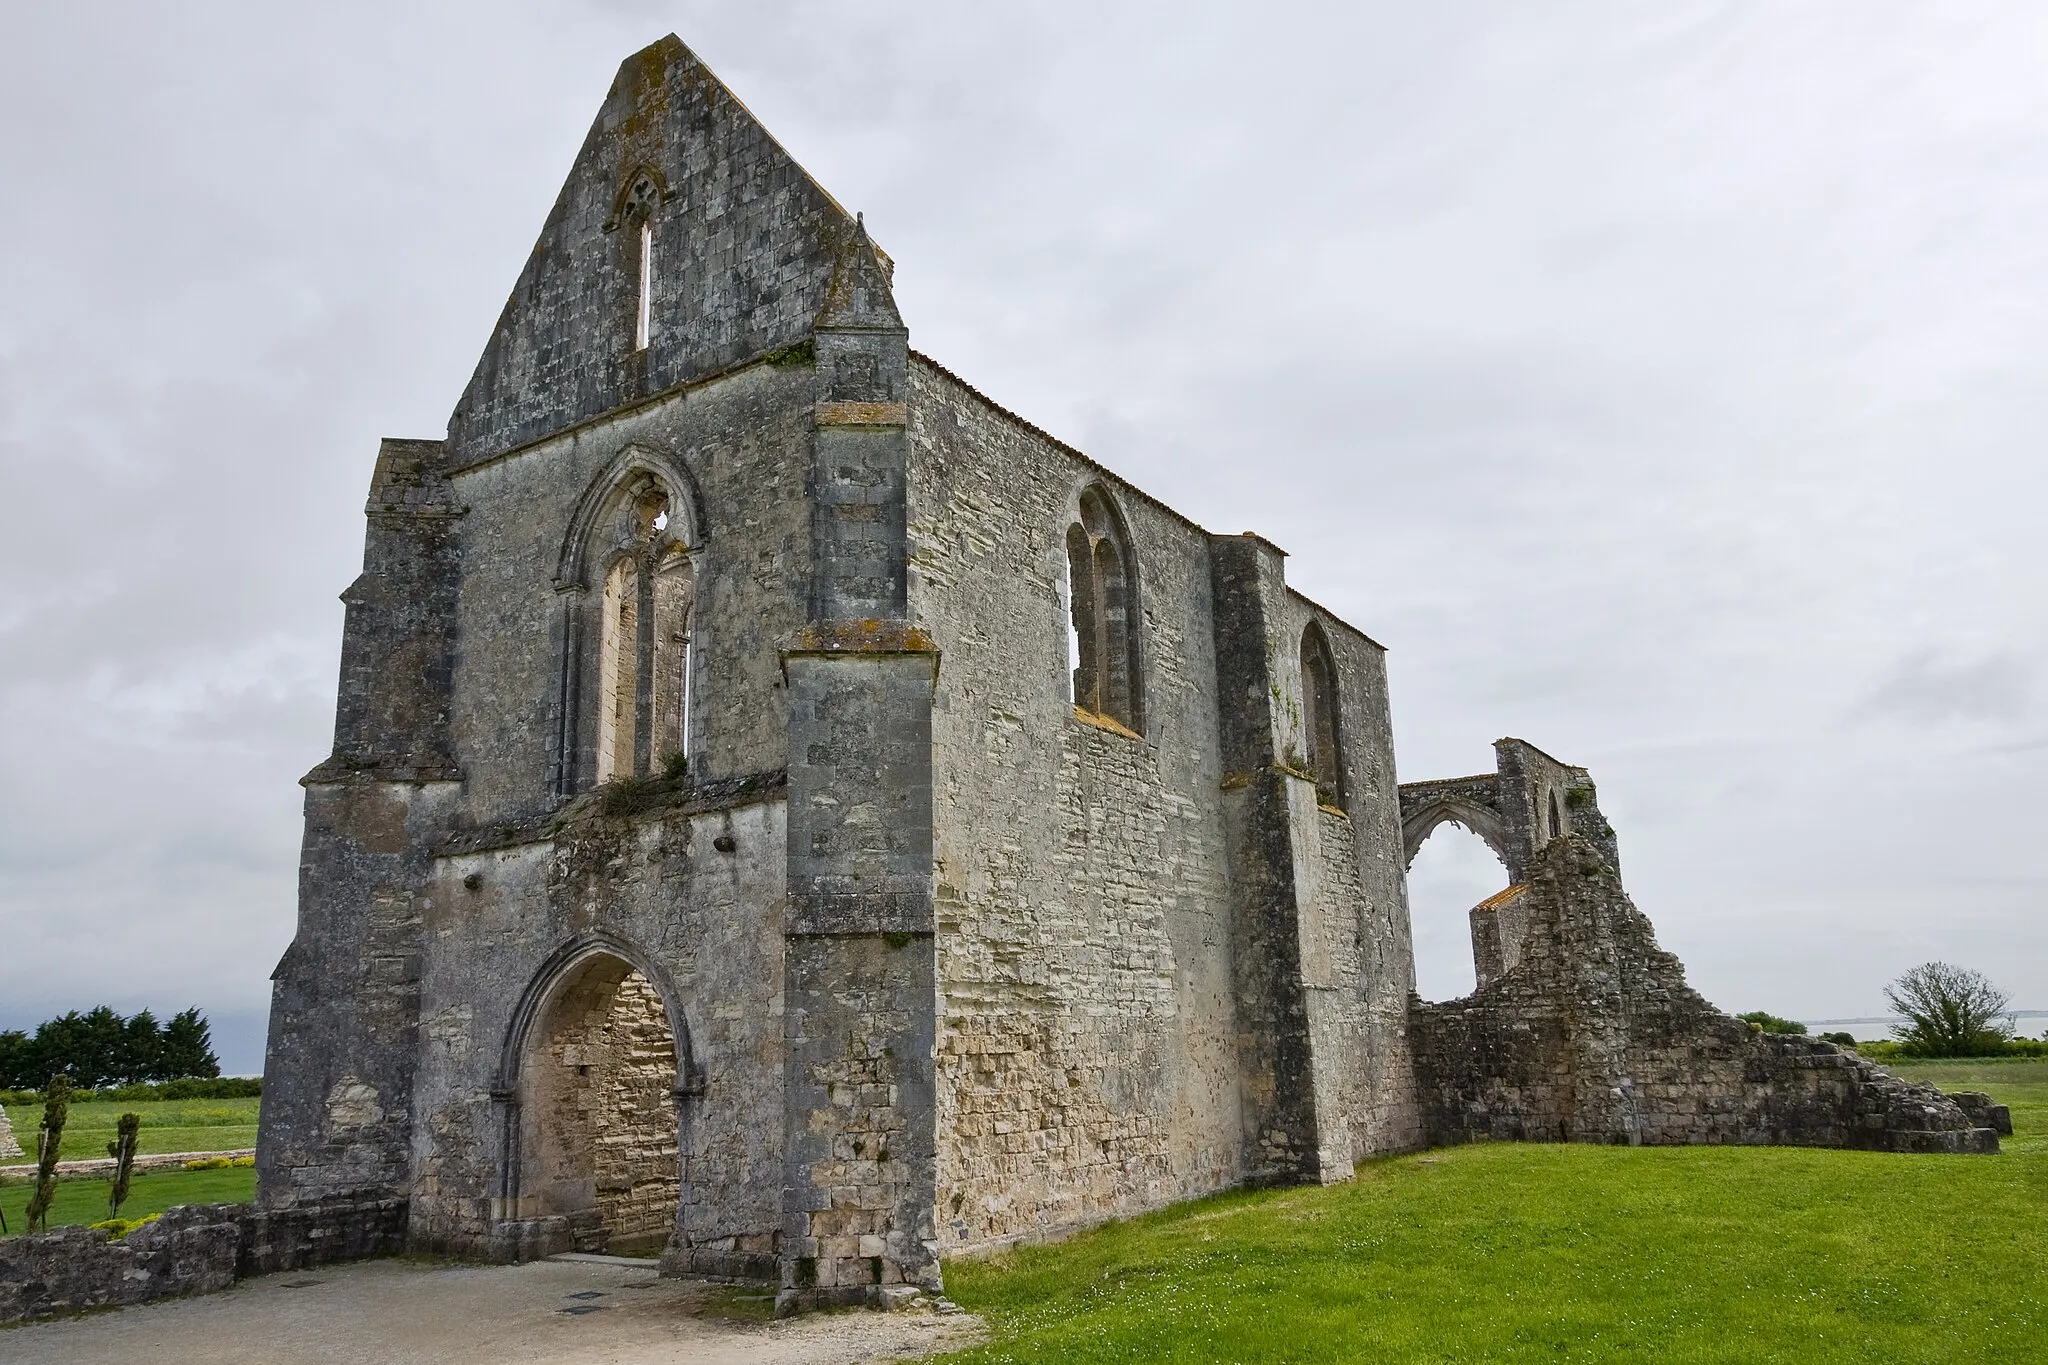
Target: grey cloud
(1923, 688)
(1649, 382)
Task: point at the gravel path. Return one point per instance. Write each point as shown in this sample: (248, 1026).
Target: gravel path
(431, 1314)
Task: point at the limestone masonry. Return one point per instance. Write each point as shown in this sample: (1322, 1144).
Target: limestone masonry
(792, 816)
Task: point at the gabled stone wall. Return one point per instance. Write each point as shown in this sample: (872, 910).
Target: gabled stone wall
(1594, 1036)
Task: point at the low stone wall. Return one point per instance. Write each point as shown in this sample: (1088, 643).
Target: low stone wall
(92, 1168)
(192, 1249)
(1594, 1036)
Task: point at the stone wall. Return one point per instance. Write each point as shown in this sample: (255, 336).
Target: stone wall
(1595, 1037)
(1087, 1054)
(687, 890)
(744, 247)
(192, 1249)
(1093, 1040)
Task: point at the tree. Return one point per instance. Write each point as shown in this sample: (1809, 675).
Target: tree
(142, 1047)
(49, 1138)
(126, 1132)
(1950, 1011)
(188, 1047)
(100, 1048)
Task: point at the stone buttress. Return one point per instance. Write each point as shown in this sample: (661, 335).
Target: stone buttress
(859, 958)
(337, 1098)
(1289, 1052)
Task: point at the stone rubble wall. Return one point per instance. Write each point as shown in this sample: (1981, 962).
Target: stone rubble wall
(8, 1146)
(1596, 1037)
(636, 1157)
(192, 1249)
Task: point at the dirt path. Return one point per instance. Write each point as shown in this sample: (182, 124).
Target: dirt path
(428, 1314)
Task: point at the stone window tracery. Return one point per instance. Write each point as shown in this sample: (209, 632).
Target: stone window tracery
(1102, 604)
(636, 207)
(1320, 720)
(643, 643)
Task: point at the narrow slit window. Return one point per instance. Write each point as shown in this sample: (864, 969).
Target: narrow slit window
(643, 316)
(683, 728)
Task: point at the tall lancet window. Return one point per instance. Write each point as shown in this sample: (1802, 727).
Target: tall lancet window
(634, 213)
(618, 669)
(1101, 634)
(643, 313)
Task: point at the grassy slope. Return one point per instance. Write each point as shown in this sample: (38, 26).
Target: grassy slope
(85, 1201)
(1514, 1252)
(167, 1126)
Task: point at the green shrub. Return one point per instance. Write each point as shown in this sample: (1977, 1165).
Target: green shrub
(1771, 1023)
(189, 1088)
(117, 1228)
(1839, 1039)
(216, 1163)
(210, 1088)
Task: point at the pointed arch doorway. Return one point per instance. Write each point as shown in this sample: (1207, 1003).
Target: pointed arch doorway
(596, 1072)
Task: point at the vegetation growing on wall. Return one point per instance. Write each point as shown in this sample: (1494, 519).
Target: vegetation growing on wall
(1771, 1023)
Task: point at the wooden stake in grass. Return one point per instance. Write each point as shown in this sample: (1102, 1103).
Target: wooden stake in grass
(49, 1136)
(122, 1149)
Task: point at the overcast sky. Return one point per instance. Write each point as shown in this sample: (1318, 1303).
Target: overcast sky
(1661, 384)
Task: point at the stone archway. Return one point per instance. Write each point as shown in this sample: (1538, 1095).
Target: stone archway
(598, 1143)
(1482, 820)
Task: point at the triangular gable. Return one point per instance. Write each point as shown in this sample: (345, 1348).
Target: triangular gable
(746, 246)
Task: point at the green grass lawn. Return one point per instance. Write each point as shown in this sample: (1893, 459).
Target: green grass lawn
(85, 1201)
(167, 1126)
(1549, 1252)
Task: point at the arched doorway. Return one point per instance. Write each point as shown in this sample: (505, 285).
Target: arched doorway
(598, 1141)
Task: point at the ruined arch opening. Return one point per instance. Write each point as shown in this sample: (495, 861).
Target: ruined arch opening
(1454, 872)
(598, 1140)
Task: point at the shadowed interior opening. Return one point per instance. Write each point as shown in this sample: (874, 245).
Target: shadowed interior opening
(599, 1140)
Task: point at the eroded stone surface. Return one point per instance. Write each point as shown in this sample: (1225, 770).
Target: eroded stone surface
(1595, 1036)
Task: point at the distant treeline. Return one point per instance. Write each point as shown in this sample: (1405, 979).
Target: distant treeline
(100, 1048)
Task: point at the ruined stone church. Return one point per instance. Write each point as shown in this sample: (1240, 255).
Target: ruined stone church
(792, 816)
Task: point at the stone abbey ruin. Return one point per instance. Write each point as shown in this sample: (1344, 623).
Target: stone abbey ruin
(790, 816)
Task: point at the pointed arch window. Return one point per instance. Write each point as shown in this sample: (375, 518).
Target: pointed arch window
(1320, 719)
(635, 208)
(643, 644)
(1102, 604)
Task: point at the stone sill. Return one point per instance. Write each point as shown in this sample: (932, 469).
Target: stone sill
(1101, 722)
